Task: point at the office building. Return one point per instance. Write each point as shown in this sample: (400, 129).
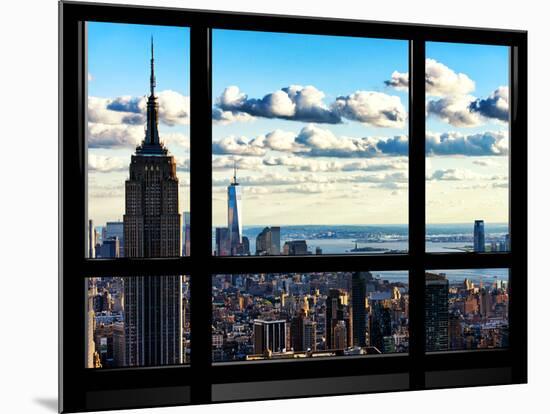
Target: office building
(269, 336)
(186, 231)
(295, 248)
(268, 242)
(359, 313)
(110, 248)
(437, 312)
(479, 236)
(234, 214)
(152, 228)
(114, 229)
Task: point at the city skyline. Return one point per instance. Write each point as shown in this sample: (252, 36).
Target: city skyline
(289, 178)
(316, 144)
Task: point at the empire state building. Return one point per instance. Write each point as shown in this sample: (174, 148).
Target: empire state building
(152, 223)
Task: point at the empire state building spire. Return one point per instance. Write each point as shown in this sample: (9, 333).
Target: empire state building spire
(152, 80)
(151, 144)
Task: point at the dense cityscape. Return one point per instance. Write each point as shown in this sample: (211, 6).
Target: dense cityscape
(463, 313)
(144, 321)
(308, 315)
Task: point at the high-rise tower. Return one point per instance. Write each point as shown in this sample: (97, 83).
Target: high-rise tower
(436, 298)
(152, 228)
(479, 236)
(234, 213)
(359, 312)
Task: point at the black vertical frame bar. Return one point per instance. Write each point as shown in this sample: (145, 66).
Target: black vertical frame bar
(518, 209)
(417, 208)
(72, 223)
(201, 212)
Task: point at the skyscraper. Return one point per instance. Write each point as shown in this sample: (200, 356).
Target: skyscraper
(380, 326)
(437, 312)
(268, 241)
(114, 229)
(359, 314)
(479, 236)
(91, 239)
(222, 242)
(295, 248)
(335, 313)
(234, 213)
(269, 336)
(186, 248)
(152, 228)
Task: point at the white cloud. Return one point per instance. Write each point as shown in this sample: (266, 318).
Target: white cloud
(443, 81)
(306, 104)
(174, 109)
(238, 146)
(494, 106)
(242, 163)
(398, 81)
(455, 143)
(114, 135)
(102, 163)
(455, 110)
(372, 108)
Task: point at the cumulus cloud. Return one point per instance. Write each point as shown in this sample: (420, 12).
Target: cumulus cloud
(301, 164)
(173, 109)
(455, 110)
(319, 142)
(313, 141)
(455, 143)
(494, 106)
(452, 174)
(440, 80)
(306, 104)
(102, 163)
(455, 105)
(242, 163)
(102, 135)
(398, 81)
(372, 108)
(124, 135)
(227, 117)
(233, 145)
(295, 102)
(443, 81)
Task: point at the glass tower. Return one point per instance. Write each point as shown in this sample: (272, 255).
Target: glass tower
(234, 213)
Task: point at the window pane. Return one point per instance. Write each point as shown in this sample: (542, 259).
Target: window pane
(309, 315)
(138, 141)
(137, 321)
(310, 145)
(467, 148)
(466, 309)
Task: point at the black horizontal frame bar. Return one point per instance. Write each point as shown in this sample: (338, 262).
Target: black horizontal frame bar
(291, 264)
(293, 24)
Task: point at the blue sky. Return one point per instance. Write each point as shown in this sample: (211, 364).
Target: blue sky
(118, 58)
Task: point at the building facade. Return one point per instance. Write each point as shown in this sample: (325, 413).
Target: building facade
(152, 228)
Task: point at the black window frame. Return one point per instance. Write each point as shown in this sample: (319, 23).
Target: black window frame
(202, 381)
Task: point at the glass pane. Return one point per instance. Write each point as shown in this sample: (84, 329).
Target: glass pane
(466, 309)
(310, 145)
(138, 141)
(290, 316)
(467, 148)
(137, 321)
